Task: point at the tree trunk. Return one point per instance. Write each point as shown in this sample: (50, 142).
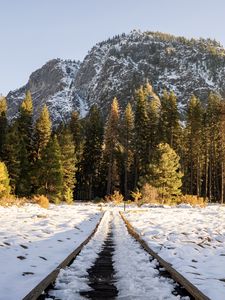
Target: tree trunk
(109, 176)
(206, 174)
(125, 180)
(222, 182)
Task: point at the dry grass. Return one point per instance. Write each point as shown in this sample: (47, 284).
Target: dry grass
(191, 199)
(12, 200)
(149, 194)
(116, 197)
(41, 200)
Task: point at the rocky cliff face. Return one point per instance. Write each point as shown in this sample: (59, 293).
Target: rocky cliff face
(52, 84)
(119, 65)
(115, 67)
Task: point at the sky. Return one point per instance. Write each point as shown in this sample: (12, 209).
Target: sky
(35, 31)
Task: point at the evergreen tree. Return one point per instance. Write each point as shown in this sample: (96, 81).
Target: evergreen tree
(25, 120)
(111, 143)
(166, 175)
(68, 159)
(194, 146)
(150, 95)
(92, 152)
(213, 136)
(222, 149)
(153, 111)
(4, 181)
(3, 125)
(42, 137)
(42, 131)
(141, 123)
(25, 129)
(51, 171)
(76, 130)
(169, 120)
(12, 155)
(127, 141)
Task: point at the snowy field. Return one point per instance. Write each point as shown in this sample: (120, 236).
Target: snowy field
(191, 239)
(136, 277)
(33, 241)
(74, 279)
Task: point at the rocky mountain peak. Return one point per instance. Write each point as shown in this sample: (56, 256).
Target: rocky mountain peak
(51, 84)
(117, 66)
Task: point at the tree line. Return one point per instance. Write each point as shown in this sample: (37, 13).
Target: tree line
(91, 157)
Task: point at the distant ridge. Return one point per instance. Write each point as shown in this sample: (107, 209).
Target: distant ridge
(117, 66)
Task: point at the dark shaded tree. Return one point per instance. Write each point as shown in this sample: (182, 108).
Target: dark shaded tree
(3, 125)
(92, 153)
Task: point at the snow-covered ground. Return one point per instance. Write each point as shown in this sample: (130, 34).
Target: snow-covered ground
(191, 239)
(136, 277)
(74, 279)
(34, 241)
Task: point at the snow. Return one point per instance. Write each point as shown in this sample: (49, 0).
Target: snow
(61, 104)
(191, 239)
(137, 276)
(186, 67)
(83, 106)
(35, 240)
(74, 279)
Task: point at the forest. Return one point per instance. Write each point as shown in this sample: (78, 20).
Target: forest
(146, 148)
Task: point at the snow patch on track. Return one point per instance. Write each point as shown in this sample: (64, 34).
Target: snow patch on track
(191, 239)
(74, 279)
(137, 276)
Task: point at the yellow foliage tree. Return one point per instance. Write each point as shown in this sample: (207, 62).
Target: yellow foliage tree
(4, 181)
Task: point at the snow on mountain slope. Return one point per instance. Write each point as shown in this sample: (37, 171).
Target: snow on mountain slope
(52, 84)
(117, 66)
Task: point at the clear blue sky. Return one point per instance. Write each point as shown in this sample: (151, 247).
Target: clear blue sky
(34, 31)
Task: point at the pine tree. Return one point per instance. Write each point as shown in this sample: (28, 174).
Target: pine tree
(141, 123)
(51, 171)
(194, 146)
(153, 111)
(166, 175)
(222, 149)
(213, 136)
(128, 140)
(92, 153)
(12, 155)
(111, 143)
(25, 129)
(3, 125)
(76, 130)
(4, 181)
(43, 130)
(68, 159)
(169, 120)
(25, 120)
(150, 95)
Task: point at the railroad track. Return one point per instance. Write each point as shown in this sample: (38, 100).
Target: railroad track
(98, 279)
(176, 276)
(39, 289)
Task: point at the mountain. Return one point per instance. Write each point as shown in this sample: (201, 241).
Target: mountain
(117, 66)
(52, 84)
